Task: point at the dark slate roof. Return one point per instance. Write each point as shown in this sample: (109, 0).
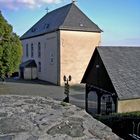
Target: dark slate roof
(68, 17)
(123, 67)
(28, 64)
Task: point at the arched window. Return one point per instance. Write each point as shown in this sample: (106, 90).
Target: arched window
(39, 49)
(27, 53)
(32, 50)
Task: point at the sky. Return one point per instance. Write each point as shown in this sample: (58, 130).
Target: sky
(119, 19)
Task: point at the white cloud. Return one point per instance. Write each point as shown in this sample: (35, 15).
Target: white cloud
(16, 4)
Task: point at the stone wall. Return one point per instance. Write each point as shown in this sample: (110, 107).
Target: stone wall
(39, 118)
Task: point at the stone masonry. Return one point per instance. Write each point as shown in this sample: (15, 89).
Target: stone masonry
(39, 118)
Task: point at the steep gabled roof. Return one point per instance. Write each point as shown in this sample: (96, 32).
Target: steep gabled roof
(68, 17)
(123, 67)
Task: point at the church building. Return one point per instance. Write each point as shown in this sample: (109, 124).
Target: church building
(60, 43)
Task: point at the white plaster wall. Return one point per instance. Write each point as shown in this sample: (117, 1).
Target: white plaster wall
(76, 50)
(48, 44)
(50, 52)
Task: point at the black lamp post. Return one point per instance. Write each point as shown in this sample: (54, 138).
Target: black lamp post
(66, 80)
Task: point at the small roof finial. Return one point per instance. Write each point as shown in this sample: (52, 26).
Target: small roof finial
(47, 9)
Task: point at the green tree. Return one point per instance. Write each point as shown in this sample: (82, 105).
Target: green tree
(10, 49)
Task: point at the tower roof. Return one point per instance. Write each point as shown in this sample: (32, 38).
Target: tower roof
(68, 17)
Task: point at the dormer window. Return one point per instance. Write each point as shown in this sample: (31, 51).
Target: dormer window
(46, 26)
(33, 29)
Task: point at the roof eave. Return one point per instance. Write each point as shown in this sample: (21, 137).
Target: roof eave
(23, 38)
(79, 29)
(62, 28)
(130, 98)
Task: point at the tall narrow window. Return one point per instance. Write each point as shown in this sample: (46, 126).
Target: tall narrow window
(27, 53)
(32, 50)
(39, 49)
(39, 66)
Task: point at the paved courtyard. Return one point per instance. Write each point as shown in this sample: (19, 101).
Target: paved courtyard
(45, 89)
(40, 88)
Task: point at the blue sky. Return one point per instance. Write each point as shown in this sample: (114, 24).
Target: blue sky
(119, 19)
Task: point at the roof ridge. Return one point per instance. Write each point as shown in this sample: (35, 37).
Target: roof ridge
(66, 14)
(80, 11)
(88, 17)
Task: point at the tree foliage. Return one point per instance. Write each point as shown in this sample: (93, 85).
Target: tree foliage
(10, 48)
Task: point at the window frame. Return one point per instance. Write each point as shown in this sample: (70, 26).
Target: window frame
(39, 50)
(27, 50)
(32, 50)
(39, 66)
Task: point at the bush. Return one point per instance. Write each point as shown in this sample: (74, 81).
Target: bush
(121, 123)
